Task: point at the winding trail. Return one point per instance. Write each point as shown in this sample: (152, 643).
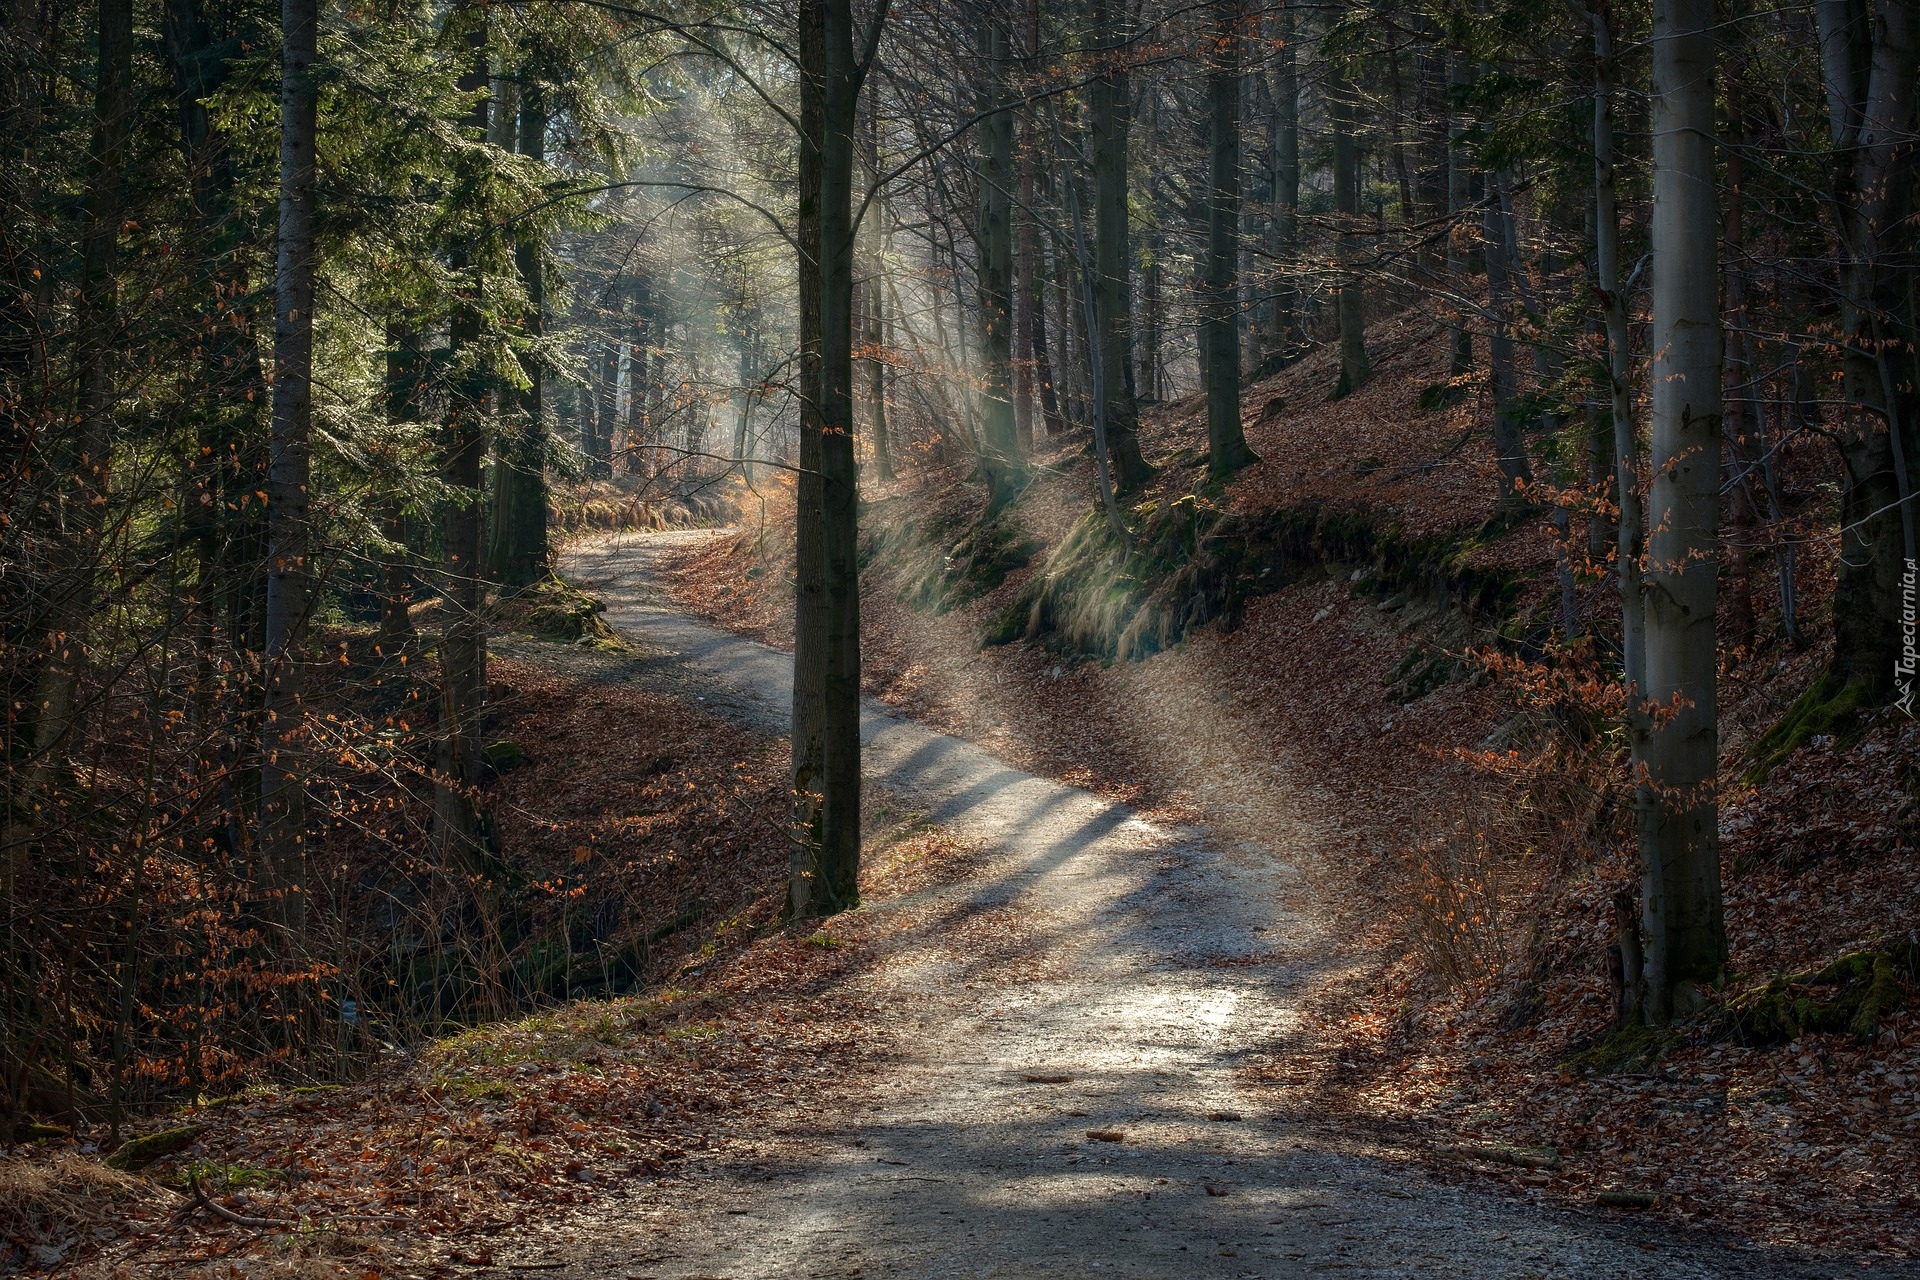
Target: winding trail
(1151, 963)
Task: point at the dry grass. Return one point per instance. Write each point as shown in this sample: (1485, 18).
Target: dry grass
(47, 1207)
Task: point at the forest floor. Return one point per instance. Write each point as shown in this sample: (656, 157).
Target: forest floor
(1441, 1047)
(1043, 1047)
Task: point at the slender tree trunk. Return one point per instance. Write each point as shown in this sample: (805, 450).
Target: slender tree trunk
(520, 553)
(1868, 53)
(1738, 422)
(1459, 196)
(1227, 450)
(282, 798)
(1110, 98)
(1509, 445)
(877, 377)
(1284, 156)
(1341, 109)
(609, 413)
(1001, 460)
(460, 832)
(1023, 300)
(396, 634)
(84, 454)
(1630, 541)
(1679, 831)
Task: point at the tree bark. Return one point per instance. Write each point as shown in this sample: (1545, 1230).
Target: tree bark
(1679, 831)
(282, 797)
(396, 634)
(520, 552)
(994, 236)
(1459, 196)
(1509, 445)
(1868, 53)
(1110, 99)
(824, 875)
(1283, 151)
(1227, 450)
(1341, 109)
(83, 455)
(1630, 540)
(460, 833)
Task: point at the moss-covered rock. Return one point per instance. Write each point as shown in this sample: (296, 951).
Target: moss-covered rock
(1850, 996)
(138, 1153)
(554, 609)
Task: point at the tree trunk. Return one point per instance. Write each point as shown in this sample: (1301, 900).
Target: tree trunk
(1679, 831)
(1509, 445)
(460, 830)
(404, 360)
(825, 869)
(520, 552)
(1227, 450)
(1868, 51)
(1739, 425)
(877, 375)
(282, 797)
(1341, 109)
(1283, 156)
(1110, 99)
(1001, 459)
(1459, 196)
(1630, 541)
(83, 455)
(607, 411)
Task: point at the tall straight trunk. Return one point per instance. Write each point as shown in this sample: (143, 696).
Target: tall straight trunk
(656, 458)
(1342, 108)
(877, 375)
(824, 874)
(1739, 425)
(459, 826)
(1686, 944)
(999, 430)
(1630, 541)
(1868, 53)
(1227, 449)
(1283, 158)
(83, 454)
(1043, 364)
(282, 797)
(1023, 282)
(1509, 446)
(1072, 366)
(1459, 196)
(1110, 99)
(396, 563)
(1152, 312)
(633, 447)
(519, 552)
(607, 413)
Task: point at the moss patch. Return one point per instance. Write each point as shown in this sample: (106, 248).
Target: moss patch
(1631, 1048)
(554, 609)
(1830, 705)
(1193, 562)
(138, 1153)
(1850, 995)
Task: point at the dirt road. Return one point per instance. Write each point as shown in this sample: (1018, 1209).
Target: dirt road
(1068, 1103)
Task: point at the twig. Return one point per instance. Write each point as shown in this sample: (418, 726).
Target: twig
(237, 1219)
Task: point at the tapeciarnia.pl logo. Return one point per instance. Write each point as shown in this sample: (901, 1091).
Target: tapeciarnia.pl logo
(1909, 659)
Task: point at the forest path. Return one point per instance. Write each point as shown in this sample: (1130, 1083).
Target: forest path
(1140, 961)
